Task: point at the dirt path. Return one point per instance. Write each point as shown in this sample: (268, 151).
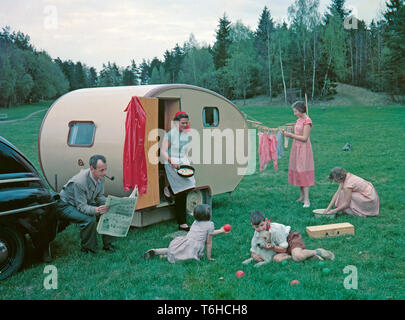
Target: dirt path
(22, 119)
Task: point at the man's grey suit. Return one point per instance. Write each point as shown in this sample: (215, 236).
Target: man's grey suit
(79, 198)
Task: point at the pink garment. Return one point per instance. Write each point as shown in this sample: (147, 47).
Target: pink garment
(134, 159)
(267, 150)
(301, 171)
(273, 151)
(365, 201)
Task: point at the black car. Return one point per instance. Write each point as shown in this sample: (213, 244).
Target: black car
(26, 207)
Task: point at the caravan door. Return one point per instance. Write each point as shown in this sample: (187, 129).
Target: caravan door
(151, 197)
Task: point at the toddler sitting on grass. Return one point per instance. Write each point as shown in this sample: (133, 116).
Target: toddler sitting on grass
(192, 245)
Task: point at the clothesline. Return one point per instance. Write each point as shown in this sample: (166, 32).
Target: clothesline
(259, 125)
(271, 146)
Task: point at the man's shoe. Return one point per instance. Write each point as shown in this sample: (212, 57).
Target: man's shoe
(109, 248)
(87, 250)
(46, 255)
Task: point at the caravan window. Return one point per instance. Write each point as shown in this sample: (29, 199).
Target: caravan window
(210, 117)
(81, 133)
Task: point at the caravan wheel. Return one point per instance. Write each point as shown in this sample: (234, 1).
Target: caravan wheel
(198, 196)
(194, 198)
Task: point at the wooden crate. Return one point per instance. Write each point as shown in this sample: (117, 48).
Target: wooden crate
(330, 230)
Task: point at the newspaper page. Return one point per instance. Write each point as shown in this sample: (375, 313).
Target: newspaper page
(117, 220)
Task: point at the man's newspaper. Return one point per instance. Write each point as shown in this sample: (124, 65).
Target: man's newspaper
(117, 220)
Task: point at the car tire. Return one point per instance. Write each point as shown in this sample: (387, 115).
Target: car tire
(12, 251)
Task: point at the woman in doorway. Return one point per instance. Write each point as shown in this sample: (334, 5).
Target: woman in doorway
(301, 167)
(355, 196)
(174, 150)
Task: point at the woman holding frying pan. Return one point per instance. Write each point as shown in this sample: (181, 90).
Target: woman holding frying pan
(175, 146)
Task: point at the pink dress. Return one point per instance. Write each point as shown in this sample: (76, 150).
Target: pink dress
(365, 201)
(301, 168)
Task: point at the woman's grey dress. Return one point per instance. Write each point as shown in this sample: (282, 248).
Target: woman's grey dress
(179, 141)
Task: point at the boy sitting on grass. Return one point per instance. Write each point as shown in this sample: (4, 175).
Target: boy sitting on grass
(284, 243)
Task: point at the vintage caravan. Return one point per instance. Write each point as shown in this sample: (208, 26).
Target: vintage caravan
(92, 121)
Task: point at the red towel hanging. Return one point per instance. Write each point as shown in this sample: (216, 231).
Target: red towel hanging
(134, 159)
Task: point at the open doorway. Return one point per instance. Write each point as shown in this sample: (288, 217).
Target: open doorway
(168, 107)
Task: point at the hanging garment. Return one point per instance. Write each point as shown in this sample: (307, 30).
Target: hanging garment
(267, 150)
(134, 159)
(280, 150)
(264, 152)
(273, 151)
(286, 139)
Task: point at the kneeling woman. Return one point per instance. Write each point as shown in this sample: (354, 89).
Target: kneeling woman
(355, 196)
(175, 146)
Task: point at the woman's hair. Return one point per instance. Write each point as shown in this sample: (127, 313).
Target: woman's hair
(337, 174)
(180, 116)
(300, 106)
(256, 217)
(202, 212)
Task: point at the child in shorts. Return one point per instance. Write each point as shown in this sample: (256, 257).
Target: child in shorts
(286, 244)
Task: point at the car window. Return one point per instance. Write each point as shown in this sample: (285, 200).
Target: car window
(10, 162)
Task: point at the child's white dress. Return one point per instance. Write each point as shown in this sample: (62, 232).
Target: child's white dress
(192, 245)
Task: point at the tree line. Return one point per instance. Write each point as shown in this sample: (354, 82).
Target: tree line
(307, 55)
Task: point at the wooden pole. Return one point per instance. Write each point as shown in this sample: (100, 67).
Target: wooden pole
(306, 104)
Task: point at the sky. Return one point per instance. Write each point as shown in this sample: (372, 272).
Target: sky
(95, 32)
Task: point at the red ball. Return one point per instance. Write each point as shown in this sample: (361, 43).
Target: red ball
(227, 227)
(239, 273)
(294, 282)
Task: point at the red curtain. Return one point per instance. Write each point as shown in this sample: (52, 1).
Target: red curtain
(134, 163)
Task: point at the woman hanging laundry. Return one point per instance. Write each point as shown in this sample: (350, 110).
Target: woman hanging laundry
(301, 167)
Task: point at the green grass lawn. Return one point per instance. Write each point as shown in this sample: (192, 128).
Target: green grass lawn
(377, 135)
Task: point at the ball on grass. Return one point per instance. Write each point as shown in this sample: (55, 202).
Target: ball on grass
(239, 274)
(294, 283)
(284, 262)
(325, 270)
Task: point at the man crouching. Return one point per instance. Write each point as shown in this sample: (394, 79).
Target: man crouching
(82, 202)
